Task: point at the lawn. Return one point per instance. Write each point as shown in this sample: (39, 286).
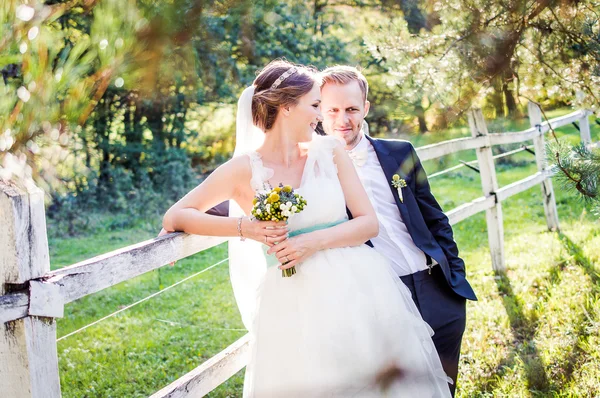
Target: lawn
(533, 332)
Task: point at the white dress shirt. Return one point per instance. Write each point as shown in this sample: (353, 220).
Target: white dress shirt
(394, 242)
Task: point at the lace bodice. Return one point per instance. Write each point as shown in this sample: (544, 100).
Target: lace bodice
(319, 185)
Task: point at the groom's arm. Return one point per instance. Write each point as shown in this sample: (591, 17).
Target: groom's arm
(437, 222)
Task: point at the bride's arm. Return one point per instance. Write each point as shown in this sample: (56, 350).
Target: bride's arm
(361, 228)
(188, 214)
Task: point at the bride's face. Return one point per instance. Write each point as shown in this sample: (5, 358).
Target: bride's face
(305, 116)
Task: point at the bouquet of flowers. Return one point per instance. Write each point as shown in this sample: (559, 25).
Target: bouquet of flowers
(278, 205)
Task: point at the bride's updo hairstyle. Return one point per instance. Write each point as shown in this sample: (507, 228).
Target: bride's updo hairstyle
(280, 83)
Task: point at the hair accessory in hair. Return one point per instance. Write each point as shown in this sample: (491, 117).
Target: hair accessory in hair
(284, 76)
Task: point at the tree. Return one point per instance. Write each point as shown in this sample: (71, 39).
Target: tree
(493, 53)
(61, 58)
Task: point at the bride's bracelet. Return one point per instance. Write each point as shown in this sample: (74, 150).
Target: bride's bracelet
(239, 228)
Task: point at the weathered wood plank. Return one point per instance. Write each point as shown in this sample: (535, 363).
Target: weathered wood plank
(13, 306)
(29, 361)
(434, 151)
(45, 300)
(466, 210)
(210, 374)
(489, 184)
(440, 149)
(521, 185)
(563, 120)
(109, 269)
(535, 118)
(534, 131)
(512, 138)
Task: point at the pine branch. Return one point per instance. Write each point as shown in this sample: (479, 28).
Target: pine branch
(570, 160)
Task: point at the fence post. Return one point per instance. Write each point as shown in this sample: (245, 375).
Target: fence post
(489, 184)
(535, 120)
(28, 356)
(584, 130)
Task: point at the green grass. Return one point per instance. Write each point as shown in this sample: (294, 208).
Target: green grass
(533, 333)
(144, 348)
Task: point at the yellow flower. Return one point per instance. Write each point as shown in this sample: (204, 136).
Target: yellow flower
(277, 189)
(273, 197)
(396, 177)
(254, 201)
(287, 188)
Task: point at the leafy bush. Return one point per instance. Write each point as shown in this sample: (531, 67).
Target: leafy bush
(135, 198)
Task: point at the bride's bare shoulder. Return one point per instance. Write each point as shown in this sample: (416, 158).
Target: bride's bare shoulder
(235, 169)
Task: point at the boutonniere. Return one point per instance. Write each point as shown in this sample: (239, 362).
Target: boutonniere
(398, 183)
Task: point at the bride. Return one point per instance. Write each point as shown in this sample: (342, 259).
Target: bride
(336, 327)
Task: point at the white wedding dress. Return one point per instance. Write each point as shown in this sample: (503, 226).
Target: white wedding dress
(328, 330)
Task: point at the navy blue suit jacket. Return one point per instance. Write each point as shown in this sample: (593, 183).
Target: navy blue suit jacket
(426, 222)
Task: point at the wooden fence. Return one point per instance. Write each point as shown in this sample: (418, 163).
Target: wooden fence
(32, 296)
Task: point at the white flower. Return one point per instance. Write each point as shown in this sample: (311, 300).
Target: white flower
(258, 211)
(33, 33)
(268, 207)
(400, 194)
(25, 13)
(295, 209)
(286, 213)
(23, 94)
(288, 204)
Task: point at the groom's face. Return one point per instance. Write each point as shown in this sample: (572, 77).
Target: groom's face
(344, 109)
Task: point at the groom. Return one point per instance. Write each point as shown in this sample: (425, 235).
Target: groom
(414, 233)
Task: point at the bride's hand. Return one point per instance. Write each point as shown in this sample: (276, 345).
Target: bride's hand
(265, 232)
(293, 251)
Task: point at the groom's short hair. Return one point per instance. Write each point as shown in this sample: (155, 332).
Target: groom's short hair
(344, 74)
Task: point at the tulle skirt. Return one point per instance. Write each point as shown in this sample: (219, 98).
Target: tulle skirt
(343, 326)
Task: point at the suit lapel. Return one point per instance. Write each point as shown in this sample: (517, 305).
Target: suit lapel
(390, 167)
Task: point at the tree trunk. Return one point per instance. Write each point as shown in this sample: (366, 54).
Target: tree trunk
(511, 104)
(509, 98)
(317, 13)
(420, 112)
(133, 132)
(414, 16)
(496, 98)
(102, 131)
(154, 115)
(86, 149)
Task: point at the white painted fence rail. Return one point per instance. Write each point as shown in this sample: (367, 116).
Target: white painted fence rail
(32, 296)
